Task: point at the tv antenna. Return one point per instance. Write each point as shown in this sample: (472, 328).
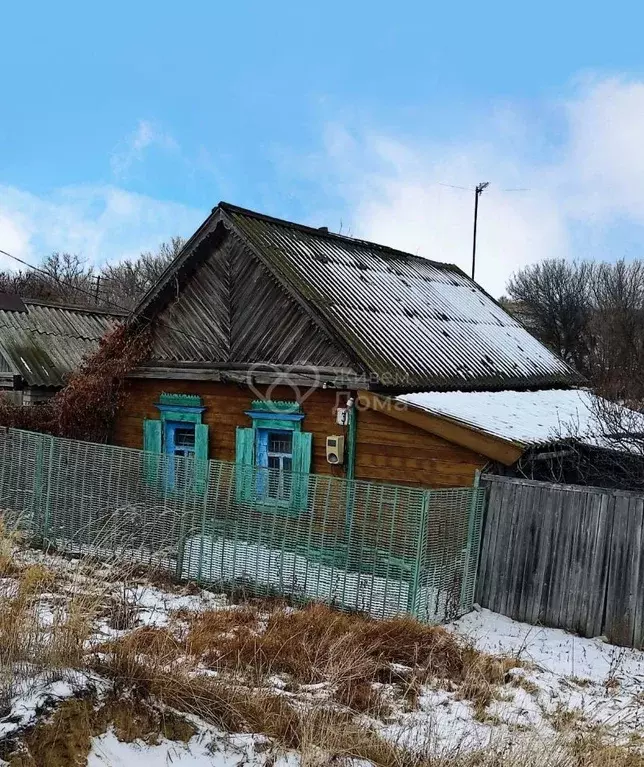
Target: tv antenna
(478, 191)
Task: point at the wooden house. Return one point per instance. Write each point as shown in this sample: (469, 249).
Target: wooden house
(42, 343)
(290, 347)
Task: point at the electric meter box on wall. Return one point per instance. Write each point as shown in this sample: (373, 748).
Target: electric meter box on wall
(335, 449)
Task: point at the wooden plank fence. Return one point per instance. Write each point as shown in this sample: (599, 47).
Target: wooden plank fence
(564, 556)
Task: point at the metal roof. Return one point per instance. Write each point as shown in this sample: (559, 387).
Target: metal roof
(49, 341)
(408, 322)
(414, 322)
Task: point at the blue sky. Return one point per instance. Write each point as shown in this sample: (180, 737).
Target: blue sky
(124, 123)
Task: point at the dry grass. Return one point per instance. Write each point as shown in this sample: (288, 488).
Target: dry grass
(65, 739)
(27, 634)
(351, 653)
(321, 736)
(334, 668)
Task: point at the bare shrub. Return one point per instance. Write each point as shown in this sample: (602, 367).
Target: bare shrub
(85, 408)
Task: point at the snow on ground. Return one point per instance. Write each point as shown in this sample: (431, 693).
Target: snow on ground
(559, 679)
(35, 690)
(564, 678)
(553, 650)
(208, 749)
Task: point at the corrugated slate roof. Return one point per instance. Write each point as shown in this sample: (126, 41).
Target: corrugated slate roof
(413, 323)
(417, 322)
(49, 341)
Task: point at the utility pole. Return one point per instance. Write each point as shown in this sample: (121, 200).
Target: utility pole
(478, 191)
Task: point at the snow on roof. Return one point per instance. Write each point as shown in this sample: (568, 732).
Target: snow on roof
(524, 417)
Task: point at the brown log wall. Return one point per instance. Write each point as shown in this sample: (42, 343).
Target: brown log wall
(388, 450)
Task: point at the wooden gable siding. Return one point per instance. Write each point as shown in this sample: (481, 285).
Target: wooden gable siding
(231, 309)
(387, 450)
(179, 332)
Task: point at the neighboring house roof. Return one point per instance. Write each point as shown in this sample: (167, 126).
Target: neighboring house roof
(411, 322)
(526, 418)
(49, 341)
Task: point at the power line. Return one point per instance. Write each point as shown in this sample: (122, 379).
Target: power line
(472, 188)
(92, 295)
(453, 186)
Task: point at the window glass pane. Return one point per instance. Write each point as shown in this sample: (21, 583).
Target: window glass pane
(280, 442)
(184, 437)
(273, 462)
(279, 462)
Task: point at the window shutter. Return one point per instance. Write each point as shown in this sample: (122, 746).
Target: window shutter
(244, 464)
(201, 457)
(151, 435)
(261, 481)
(302, 449)
(152, 448)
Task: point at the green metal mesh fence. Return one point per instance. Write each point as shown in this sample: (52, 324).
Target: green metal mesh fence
(383, 549)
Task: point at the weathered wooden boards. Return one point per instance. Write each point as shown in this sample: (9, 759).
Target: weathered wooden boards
(564, 556)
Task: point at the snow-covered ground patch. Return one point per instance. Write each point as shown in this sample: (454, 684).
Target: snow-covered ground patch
(564, 681)
(486, 682)
(34, 691)
(553, 650)
(207, 749)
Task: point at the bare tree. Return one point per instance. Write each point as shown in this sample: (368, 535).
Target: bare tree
(603, 447)
(68, 278)
(126, 282)
(590, 314)
(552, 298)
(617, 328)
(61, 277)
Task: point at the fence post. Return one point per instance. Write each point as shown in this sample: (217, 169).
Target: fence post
(47, 514)
(203, 524)
(414, 591)
(36, 497)
(472, 558)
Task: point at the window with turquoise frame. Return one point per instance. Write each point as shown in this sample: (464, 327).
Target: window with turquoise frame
(179, 434)
(273, 457)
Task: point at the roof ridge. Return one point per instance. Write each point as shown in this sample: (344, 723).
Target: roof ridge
(324, 232)
(74, 307)
(77, 336)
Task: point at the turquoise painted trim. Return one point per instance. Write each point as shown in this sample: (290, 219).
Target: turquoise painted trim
(180, 413)
(276, 421)
(269, 415)
(244, 463)
(180, 400)
(275, 406)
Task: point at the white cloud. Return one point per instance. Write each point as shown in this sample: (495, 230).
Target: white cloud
(14, 237)
(101, 223)
(133, 149)
(606, 158)
(591, 178)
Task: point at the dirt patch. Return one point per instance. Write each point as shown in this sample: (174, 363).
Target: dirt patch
(65, 738)
(62, 741)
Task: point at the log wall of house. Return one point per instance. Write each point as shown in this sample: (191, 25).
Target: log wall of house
(388, 450)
